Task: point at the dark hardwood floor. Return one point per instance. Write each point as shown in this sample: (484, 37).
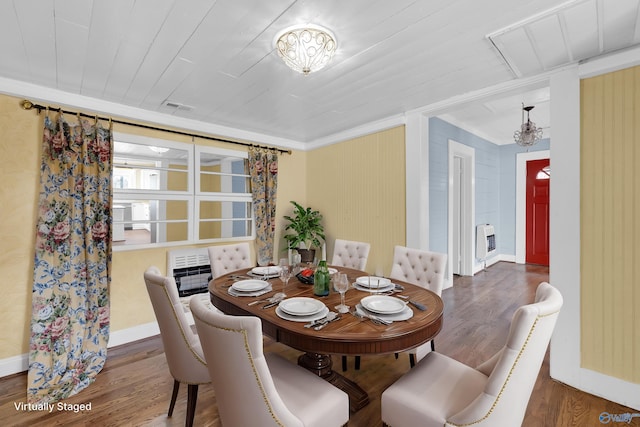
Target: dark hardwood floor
(135, 386)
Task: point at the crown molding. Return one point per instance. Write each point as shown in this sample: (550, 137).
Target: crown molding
(366, 129)
(62, 99)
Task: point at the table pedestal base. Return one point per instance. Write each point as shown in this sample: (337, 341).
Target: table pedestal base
(320, 364)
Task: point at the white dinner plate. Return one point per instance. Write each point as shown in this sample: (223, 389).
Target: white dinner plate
(272, 270)
(405, 314)
(301, 306)
(317, 316)
(257, 293)
(383, 304)
(332, 271)
(249, 285)
(373, 282)
(374, 290)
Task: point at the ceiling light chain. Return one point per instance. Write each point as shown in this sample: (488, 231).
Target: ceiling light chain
(306, 48)
(528, 134)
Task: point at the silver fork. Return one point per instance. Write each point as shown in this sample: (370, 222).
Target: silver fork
(374, 319)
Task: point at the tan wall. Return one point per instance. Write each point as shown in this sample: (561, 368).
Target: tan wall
(610, 197)
(359, 187)
(20, 140)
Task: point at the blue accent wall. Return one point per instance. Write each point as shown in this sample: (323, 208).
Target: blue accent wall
(495, 184)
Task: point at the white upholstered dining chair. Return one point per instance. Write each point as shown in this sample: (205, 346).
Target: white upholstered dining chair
(181, 345)
(421, 268)
(350, 254)
(440, 391)
(254, 389)
(227, 258)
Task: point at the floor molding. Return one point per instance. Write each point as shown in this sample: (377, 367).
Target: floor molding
(16, 364)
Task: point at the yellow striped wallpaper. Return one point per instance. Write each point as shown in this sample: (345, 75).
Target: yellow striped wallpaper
(359, 187)
(610, 224)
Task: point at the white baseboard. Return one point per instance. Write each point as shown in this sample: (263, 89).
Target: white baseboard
(493, 260)
(13, 365)
(16, 364)
(135, 333)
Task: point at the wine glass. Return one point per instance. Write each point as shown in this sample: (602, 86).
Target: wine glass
(285, 275)
(341, 284)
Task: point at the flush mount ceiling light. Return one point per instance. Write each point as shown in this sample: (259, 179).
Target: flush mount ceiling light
(306, 48)
(528, 134)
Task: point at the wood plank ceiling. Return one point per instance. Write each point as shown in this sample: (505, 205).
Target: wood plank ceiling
(213, 60)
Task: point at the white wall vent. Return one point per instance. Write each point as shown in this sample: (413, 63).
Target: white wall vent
(191, 269)
(485, 241)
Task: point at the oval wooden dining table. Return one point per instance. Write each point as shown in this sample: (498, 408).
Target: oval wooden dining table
(347, 336)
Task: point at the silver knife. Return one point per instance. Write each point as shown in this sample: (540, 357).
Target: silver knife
(418, 305)
(271, 304)
(322, 325)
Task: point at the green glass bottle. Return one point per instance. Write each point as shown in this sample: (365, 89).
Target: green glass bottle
(321, 280)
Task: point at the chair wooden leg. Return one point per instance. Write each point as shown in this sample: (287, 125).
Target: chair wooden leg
(433, 346)
(192, 397)
(344, 363)
(174, 395)
(412, 360)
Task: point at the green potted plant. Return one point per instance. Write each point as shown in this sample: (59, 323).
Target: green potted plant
(304, 231)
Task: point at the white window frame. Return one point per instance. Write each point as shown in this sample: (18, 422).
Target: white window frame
(202, 196)
(192, 195)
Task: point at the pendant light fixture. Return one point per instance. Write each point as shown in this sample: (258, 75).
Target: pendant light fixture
(528, 134)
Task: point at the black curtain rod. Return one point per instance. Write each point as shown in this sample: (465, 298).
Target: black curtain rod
(28, 105)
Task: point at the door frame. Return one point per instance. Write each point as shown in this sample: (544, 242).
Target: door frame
(521, 199)
(468, 211)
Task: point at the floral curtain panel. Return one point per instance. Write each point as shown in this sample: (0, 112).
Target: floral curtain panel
(263, 168)
(72, 270)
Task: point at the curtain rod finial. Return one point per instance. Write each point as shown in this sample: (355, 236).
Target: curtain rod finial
(26, 104)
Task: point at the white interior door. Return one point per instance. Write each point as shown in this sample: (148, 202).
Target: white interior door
(456, 217)
(461, 229)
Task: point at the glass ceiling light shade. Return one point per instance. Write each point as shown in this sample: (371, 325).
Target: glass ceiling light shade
(528, 134)
(306, 48)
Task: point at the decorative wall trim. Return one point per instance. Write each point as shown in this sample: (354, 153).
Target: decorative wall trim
(565, 234)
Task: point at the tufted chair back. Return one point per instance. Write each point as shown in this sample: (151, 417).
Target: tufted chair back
(181, 345)
(350, 254)
(441, 391)
(227, 258)
(257, 389)
(422, 268)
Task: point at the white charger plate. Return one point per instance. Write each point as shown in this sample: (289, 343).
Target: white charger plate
(383, 304)
(374, 290)
(317, 316)
(249, 285)
(271, 270)
(233, 293)
(405, 314)
(373, 282)
(301, 306)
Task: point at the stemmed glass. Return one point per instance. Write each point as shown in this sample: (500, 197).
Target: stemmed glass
(285, 275)
(341, 284)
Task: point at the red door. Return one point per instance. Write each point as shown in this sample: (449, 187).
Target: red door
(537, 229)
